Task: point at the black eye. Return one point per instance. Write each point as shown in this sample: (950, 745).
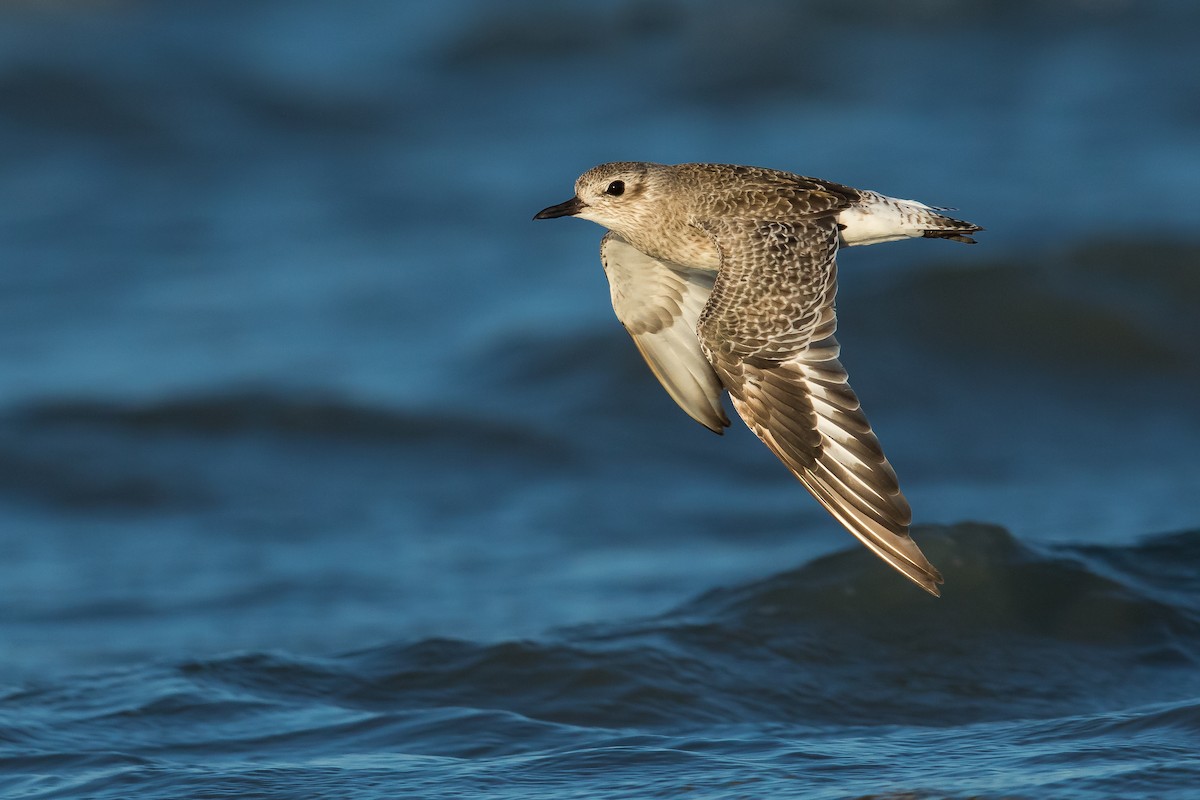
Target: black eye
(616, 188)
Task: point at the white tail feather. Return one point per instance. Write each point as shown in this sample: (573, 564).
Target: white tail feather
(878, 218)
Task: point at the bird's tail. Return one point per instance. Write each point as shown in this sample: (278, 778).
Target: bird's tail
(878, 218)
(955, 230)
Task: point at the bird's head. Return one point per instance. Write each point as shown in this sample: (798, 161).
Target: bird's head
(620, 196)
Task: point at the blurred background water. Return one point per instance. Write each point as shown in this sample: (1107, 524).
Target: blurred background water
(325, 472)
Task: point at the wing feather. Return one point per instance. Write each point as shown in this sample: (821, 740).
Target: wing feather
(768, 331)
(659, 304)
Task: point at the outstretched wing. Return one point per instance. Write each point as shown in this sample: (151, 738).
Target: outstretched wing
(768, 332)
(659, 303)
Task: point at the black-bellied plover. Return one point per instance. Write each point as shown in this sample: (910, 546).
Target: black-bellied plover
(725, 277)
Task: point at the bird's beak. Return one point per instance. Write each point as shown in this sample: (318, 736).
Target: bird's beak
(567, 209)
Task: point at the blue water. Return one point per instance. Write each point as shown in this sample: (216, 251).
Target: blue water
(325, 472)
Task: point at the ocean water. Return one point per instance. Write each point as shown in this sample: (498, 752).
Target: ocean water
(327, 473)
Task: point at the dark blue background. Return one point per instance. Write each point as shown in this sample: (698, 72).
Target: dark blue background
(286, 367)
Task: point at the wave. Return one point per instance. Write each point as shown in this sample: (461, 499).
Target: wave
(89, 453)
(1034, 659)
(241, 410)
(1021, 632)
(1078, 313)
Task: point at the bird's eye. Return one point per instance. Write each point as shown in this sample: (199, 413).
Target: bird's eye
(616, 188)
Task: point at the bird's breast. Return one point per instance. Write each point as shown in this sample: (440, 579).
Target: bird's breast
(681, 243)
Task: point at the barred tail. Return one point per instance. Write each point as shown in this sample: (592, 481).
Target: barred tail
(955, 230)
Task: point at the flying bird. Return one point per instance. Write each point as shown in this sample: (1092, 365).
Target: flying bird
(725, 277)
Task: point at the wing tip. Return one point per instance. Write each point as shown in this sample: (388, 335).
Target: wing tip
(921, 573)
(717, 423)
(928, 583)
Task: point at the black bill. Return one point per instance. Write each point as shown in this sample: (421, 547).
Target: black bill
(567, 209)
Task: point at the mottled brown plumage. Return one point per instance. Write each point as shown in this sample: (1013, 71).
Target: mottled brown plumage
(725, 277)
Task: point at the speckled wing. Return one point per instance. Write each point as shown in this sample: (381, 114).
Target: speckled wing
(768, 332)
(659, 303)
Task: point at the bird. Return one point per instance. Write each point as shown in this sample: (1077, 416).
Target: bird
(725, 277)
